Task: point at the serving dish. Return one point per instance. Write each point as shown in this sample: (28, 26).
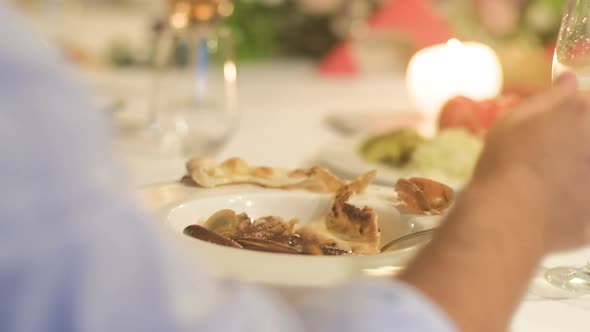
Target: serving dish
(179, 206)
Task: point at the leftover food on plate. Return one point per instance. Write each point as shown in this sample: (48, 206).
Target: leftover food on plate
(207, 173)
(452, 152)
(394, 148)
(477, 117)
(423, 196)
(345, 230)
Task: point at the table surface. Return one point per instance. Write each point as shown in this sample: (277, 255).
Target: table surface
(284, 107)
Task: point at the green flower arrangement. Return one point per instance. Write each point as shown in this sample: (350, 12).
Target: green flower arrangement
(291, 28)
(263, 30)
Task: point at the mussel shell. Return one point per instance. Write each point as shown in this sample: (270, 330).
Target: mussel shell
(266, 246)
(314, 249)
(334, 251)
(205, 234)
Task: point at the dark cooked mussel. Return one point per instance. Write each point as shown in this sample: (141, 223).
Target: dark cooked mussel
(314, 249)
(334, 251)
(266, 246)
(205, 234)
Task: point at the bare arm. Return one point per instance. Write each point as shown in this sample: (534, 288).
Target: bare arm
(479, 265)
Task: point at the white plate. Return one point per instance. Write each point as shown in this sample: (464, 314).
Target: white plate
(279, 269)
(343, 157)
(368, 122)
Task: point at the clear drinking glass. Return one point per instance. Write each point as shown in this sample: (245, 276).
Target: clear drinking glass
(573, 55)
(194, 99)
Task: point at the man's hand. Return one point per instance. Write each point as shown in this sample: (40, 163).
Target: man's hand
(527, 198)
(542, 149)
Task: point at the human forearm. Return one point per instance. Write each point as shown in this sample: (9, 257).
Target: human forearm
(478, 266)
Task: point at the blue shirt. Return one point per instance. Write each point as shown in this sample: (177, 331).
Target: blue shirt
(77, 254)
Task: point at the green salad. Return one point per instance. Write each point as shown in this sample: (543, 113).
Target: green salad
(452, 153)
(394, 149)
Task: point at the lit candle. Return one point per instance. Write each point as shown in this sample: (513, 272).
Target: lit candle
(438, 73)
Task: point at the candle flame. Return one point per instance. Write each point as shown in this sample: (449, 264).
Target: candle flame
(454, 44)
(441, 72)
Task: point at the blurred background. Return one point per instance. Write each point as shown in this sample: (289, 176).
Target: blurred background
(341, 62)
(382, 34)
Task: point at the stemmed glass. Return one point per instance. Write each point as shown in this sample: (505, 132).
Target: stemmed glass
(572, 54)
(194, 99)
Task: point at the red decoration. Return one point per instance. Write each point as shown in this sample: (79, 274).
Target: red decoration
(476, 116)
(418, 19)
(340, 61)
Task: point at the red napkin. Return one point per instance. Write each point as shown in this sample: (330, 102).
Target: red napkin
(340, 61)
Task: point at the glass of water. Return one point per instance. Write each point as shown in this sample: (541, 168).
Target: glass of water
(194, 100)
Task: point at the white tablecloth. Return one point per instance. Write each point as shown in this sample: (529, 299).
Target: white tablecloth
(284, 106)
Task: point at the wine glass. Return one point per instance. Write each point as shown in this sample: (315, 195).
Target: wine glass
(194, 100)
(572, 54)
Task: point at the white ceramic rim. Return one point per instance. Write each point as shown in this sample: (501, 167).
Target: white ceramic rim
(298, 271)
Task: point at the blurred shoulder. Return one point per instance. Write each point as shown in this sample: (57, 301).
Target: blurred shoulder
(20, 43)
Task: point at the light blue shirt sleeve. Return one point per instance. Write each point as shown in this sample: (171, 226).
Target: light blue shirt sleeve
(77, 254)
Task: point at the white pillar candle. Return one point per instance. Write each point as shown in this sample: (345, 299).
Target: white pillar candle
(438, 73)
